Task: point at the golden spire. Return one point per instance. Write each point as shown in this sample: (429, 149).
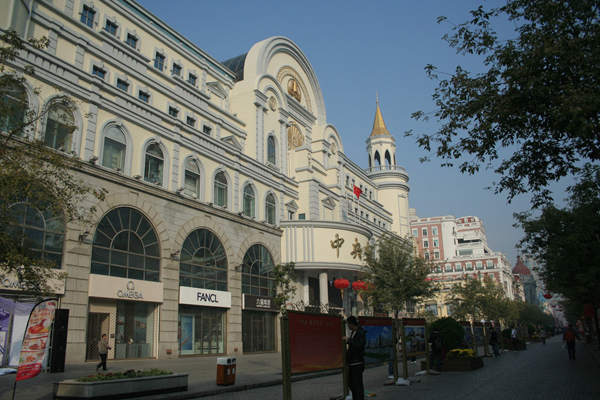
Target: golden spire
(378, 125)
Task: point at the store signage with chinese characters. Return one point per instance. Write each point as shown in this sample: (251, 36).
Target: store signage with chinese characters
(204, 297)
(125, 289)
(263, 303)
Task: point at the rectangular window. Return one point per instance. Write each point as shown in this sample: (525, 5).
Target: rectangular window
(435, 243)
(159, 61)
(111, 28)
(425, 243)
(192, 79)
(448, 268)
(427, 255)
(99, 72)
(190, 121)
(176, 70)
(206, 129)
(143, 96)
(173, 112)
(436, 255)
(302, 216)
(479, 265)
(424, 231)
(434, 231)
(290, 215)
(87, 16)
(131, 41)
(121, 84)
(458, 267)
(415, 232)
(469, 267)
(490, 264)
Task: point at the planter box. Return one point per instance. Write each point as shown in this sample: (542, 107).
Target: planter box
(121, 388)
(510, 346)
(462, 364)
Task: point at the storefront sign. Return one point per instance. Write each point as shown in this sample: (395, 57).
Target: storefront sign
(125, 289)
(11, 282)
(204, 297)
(263, 303)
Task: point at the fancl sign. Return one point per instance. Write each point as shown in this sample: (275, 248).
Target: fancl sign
(130, 293)
(111, 287)
(204, 297)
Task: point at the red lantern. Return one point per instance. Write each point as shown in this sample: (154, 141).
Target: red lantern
(359, 285)
(547, 296)
(369, 287)
(552, 305)
(341, 283)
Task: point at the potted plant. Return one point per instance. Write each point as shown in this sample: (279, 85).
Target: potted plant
(121, 385)
(461, 360)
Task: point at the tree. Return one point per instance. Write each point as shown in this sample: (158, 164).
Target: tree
(565, 242)
(39, 192)
(451, 331)
(395, 274)
(539, 96)
(284, 276)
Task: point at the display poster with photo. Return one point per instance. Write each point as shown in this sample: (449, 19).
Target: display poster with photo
(379, 346)
(479, 336)
(4, 322)
(186, 342)
(315, 342)
(468, 333)
(414, 335)
(35, 343)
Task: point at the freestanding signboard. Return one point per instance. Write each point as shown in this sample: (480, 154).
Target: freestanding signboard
(414, 340)
(380, 343)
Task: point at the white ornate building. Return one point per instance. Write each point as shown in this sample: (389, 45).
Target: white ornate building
(215, 171)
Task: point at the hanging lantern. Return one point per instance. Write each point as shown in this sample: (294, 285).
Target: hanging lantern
(369, 287)
(547, 296)
(552, 305)
(359, 285)
(341, 283)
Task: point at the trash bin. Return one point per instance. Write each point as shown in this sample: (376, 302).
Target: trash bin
(226, 370)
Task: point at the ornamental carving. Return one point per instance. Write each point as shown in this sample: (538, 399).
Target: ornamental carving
(298, 84)
(333, 147)
(272, 103)
(295, 138)
(294, 90)
(356, 249)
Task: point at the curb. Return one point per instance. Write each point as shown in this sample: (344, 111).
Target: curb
(594, 351)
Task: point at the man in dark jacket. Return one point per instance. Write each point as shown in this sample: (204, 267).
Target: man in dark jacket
(494, 342)
(355, 358)
(569, 338)
(436, 349)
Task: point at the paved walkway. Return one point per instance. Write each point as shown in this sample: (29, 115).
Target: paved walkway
(539, 372)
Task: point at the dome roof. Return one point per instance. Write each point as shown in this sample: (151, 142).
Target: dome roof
(520, 268)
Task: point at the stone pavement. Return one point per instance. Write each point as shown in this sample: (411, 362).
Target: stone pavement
(538, 372)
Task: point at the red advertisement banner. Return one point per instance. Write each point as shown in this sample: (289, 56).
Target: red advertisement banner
(315, 342)
(413, 321)
(374, 321)
(35, 342)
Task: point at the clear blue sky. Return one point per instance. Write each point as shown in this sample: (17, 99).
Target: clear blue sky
(358, 48)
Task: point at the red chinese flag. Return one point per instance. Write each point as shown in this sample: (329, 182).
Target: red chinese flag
(357, 191)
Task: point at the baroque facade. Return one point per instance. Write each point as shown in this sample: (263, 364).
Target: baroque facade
(215, 172)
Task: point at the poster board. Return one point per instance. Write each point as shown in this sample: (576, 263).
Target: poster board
(315, 342)
(414, 336)
(479, 335)
(380, 343)
(468, 333)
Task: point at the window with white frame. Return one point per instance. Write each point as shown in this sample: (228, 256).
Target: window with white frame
(270, 208)
(448, 268)
(271, 150)
(176, 71)
(192, 79)
(123, 85)
(111, 27)
(99, 72)
(490, 264)
(191, 186)
(159, 61)
(434, 231)
(458, 267)
(59, 128)
(436, 243)
(424, 231)
(132, 40)
(15, 101)
(426, 255)
(469, 267)
(115, 145)
(154, 164)
(88, 14)
(220, 189)
(479, 265)
(425, 243)
(144, 96)
(436, 255)
(415, 232)
(249, 202)
(191, 121)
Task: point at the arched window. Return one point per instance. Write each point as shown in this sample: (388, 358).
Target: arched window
(220, 190)
(203, 262)
(256, 271)
(14, 105)
(377, 159)
(59, 128)
(249, 201)
(126, 245)
(270, 207)
(271, 150)
(388, 158)
(115, 146)
(191, 185)
(40, 231)
(154, 165)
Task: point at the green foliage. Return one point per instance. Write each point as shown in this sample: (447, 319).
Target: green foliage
(33, 174)
(538, 96)
(531, 329)
(396, 273)
(477, 299)
(450, 330)
(506, 333)
(283, 286)
(129, 374)
(565, 243)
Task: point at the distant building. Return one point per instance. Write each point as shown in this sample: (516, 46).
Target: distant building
(529, 284)
(458, 247)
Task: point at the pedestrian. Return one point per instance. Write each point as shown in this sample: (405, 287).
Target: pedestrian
(543, 335)
(569, 338)
(494, 342)
(103, 349)
(437, 344)
(514, 336)
(355, 358)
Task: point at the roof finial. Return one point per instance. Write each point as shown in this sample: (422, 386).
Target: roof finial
(377, 97)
